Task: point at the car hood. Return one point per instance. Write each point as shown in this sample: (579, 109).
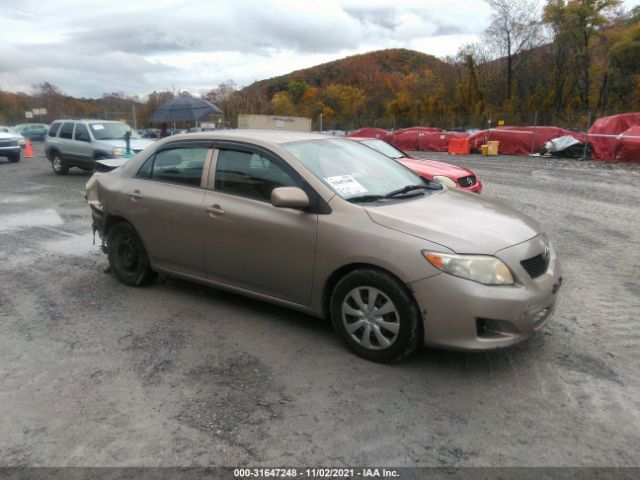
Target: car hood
(9, 136)
(460, 221)
(135, 143)
(432, 167)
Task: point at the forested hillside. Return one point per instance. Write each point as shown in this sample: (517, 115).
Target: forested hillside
(568, 64)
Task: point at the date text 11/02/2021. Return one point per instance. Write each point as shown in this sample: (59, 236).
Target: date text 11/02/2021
(315, 473)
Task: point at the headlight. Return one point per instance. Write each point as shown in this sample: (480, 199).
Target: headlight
(21, 141)
(118, 151)
(446, 181)
(483, 269)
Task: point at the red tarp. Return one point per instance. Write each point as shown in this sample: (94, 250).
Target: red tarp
(628, 149)
(607, 145)
(370, 133)
(424, 140)
(417, 129)
(520, 140)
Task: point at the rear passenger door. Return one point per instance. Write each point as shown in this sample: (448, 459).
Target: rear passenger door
(164, 204)
(81, 149)
(65, 141)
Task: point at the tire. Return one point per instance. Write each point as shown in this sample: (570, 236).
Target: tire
(14, 158)
(58, 165)
(387, 337)
(128, 258)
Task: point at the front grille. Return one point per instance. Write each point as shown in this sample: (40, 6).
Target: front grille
(536, 266)
(467, 181)
(8, 143)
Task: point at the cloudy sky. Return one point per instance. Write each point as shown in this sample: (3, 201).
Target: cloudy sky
(137, 46)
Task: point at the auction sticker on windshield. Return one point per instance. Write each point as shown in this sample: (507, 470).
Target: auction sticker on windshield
(346, 185)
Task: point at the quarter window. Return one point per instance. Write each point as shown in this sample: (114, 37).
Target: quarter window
(249, 175)
(179, 165)
(66, 131)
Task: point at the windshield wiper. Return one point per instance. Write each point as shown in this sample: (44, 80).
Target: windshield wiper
(365, 198)
(411, 188)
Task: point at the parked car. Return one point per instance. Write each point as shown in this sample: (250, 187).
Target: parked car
(79, 143)
(149, 133)
(9, 145)
(32, 131)
(333, 228)
(441, 172)
(12, 131)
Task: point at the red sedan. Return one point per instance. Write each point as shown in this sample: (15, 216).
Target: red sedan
(444, 173)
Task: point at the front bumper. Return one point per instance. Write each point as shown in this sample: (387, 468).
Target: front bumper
(7, 151)
(465, 315)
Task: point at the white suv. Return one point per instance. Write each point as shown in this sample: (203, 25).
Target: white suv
(79, 143)
(10, 145)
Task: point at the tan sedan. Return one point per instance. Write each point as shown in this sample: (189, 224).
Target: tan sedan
(332, 228)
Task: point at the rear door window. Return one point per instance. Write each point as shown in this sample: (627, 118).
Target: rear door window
(66, 131)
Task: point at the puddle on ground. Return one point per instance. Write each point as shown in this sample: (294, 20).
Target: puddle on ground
(76, 245)
(33, 218)
(8, 199)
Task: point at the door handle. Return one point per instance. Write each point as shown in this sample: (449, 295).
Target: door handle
(135, 195)
(215, 209)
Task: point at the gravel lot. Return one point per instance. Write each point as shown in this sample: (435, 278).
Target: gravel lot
(94, 373)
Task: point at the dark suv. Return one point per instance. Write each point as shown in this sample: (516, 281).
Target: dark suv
(79, 143)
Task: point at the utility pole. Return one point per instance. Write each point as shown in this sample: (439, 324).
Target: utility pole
(135, 120)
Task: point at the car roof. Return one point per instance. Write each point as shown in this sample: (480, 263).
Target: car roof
(248, 135)
(88, 120)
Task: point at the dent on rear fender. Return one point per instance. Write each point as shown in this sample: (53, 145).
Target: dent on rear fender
(91, 192)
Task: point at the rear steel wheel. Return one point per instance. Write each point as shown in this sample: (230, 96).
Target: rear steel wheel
(58, 165)
(127, 256)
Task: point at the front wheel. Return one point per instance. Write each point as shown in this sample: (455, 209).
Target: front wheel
(58, 165)
(127, 256)
(376, 316)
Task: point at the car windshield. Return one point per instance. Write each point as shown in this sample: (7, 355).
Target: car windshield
(356, 172)
(384, 148)
(111, 131)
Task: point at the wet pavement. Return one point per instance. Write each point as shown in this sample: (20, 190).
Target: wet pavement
(95, 373)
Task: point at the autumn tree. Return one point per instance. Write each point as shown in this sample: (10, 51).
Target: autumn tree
(470, 100)
(576, 24)
(282, 104)
(225, 97)
(296, 90)
(344, 100)
(624, 56)
(513, 30)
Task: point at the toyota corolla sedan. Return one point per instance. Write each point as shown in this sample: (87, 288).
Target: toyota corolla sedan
(332, 228)
(441, 172)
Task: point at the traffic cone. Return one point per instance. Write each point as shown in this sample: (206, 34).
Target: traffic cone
(27, 149)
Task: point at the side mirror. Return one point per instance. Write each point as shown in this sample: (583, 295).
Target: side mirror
(289, 197)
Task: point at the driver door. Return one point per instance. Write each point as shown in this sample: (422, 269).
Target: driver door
(247, 241)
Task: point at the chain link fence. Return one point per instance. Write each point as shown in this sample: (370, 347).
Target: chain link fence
(575, 120)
